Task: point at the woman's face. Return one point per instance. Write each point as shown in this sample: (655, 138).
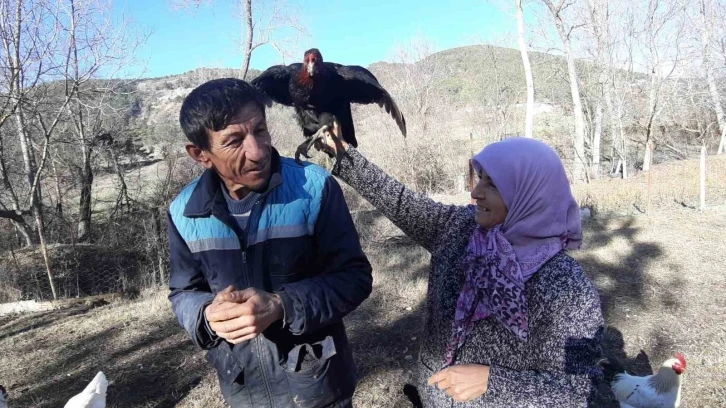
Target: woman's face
(490, 207)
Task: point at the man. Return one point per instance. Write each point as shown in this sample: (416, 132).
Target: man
(265, 259)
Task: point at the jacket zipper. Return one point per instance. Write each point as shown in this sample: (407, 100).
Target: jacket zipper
(256, 340)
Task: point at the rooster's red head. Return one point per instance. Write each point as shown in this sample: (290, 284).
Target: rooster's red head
(680, 366)
(312, 62)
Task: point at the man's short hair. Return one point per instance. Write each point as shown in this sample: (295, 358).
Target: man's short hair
(213, 105)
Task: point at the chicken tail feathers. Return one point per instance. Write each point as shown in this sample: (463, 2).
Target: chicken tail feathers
(93, 396)
(99, 384)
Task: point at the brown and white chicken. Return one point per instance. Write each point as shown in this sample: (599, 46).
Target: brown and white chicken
(660, 390)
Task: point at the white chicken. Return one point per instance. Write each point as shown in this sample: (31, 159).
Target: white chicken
(93, 396)
(660, 390)
(3, 397)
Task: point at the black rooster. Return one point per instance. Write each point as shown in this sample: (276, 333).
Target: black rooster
(321, 92)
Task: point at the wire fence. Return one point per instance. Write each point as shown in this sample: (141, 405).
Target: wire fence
(692, 184)
(134, 256)
(689, 184)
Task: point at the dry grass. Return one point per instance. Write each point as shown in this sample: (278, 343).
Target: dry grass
(661, 280)
(673, 185)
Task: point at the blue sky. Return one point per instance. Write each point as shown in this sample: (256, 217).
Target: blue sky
(349, 32)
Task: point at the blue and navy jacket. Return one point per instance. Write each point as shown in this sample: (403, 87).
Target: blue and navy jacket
(301, 244)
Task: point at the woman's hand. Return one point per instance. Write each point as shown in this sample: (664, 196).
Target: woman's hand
(462, 382)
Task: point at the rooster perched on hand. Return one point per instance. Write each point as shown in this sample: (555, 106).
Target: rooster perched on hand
(321, 92)
(660, 390)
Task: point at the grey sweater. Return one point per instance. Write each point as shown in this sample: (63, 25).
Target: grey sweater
(556, 367)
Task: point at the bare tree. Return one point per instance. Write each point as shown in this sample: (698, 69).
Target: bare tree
(606, 83)
(29, 31)
(95, 45)
(529, 120)
(15, 214)
(660, 51)
(557, 12)
(46, 49)
(718, 41)
(19, 75)
(598, 13)
(414, 77)
(502, 96)
(263, 22)
(708, 14)
(270, 22)
(618, 96)
(248, 46)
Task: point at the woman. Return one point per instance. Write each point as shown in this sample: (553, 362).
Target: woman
(512, 320)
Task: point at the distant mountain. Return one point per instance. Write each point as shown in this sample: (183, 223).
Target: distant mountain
(471, 73)
(467, 76)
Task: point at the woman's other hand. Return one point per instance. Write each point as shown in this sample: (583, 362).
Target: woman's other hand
(462, 382)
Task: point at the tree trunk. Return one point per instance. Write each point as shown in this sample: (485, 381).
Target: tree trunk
(59, 196)
(156, 225)
(25, 149)
(23, 136)
(648, 155)
(652, 114)
(30, 172)
(529, 121)
(596, 138)
(615, 132)
(616, 127)
(16, 218)
(86, 180)
(623, 147)
(84, 144)
(24, 229)
(84, 205)
(247, 49)
(44, 251)
(123, 196)
(599, 27)
(578, 168)
(16, 215)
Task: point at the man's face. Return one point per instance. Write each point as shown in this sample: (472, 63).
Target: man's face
(241, 153)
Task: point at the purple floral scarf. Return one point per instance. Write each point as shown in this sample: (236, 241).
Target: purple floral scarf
(542, 220)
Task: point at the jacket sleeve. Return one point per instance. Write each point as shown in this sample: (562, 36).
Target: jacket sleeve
(344, 280)
(421, 218)
(574, 337)
(190, 292)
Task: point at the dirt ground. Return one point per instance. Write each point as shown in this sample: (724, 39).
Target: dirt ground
(661, 277)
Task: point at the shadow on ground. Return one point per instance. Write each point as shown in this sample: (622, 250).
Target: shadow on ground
(622, 282)
(159, 366)
(157, 369)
